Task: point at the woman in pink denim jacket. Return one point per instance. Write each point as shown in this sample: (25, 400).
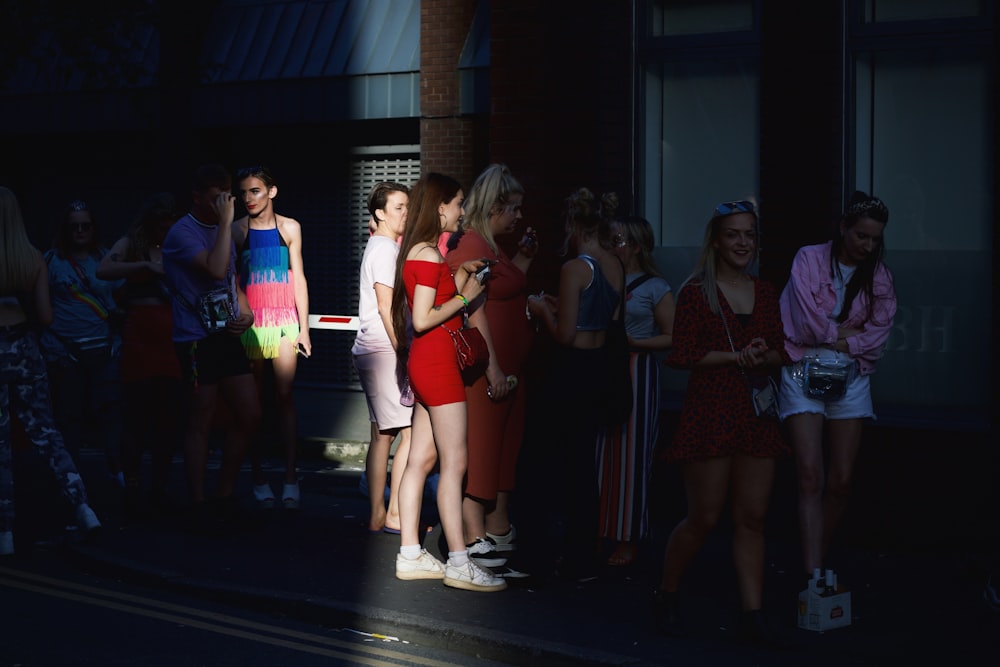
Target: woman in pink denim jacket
(837, 310)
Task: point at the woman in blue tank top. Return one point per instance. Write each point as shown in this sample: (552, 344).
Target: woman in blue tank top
(590, 288)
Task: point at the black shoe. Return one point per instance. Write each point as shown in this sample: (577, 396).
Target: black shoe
(754, 629)
(666, 614)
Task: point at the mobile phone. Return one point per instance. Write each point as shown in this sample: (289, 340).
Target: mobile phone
(301, 349)
(483, 274)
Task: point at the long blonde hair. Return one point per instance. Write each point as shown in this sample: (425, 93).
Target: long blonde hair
(18, 257)
(493, 187)
(705, 270)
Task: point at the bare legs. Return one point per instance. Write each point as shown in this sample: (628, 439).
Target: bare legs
(376, 465)
(284, 367)
(240, 395)
(437, 433)
(822, 501)
(288, 422)
(707, 484)
(486, 516)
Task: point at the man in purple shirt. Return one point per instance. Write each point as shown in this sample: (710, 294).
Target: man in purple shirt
(210, 313)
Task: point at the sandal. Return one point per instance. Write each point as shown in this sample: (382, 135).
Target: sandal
(290, 496)
(264, 496)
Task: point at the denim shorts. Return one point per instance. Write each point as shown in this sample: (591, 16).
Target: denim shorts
(856, 403)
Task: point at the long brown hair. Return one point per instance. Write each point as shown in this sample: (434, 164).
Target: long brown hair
(423, 226)
(861, 205)
(156, 210)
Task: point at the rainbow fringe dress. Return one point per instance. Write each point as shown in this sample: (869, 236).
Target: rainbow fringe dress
(270, 289)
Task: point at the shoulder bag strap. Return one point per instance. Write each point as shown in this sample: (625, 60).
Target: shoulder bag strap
(638, 281)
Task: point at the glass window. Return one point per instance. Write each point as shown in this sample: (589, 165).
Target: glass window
(923, 143)
(690, 17)
(701, 146)
(914, 10)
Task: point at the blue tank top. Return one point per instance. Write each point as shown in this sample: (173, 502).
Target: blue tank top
(597, 301)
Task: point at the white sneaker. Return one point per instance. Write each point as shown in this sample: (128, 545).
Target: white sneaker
(504, 543)
(471, 577)
(290, 496)
(484, 552)
(507, 572)
(86, 519)
(6, 543)
(264, 496)
(425, 566)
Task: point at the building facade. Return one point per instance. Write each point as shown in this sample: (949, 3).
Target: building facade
(675, 105)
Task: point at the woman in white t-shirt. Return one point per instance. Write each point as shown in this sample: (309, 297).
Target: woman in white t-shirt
(382, 377)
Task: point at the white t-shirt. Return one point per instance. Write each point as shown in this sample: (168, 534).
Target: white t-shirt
(840, 287)
(378, 265)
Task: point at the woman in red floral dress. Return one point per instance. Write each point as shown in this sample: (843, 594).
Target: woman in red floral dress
(727, 328)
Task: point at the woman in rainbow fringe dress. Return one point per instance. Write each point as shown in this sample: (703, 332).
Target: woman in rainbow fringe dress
(270, 268)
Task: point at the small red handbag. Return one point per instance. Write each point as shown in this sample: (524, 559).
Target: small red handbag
(470, 346)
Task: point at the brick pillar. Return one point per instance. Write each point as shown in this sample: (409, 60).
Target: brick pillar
(446, 138)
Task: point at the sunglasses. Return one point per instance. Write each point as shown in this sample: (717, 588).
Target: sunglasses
(728, 208)
(80, 226)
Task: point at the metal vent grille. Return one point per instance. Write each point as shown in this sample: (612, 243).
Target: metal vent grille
(332, 257)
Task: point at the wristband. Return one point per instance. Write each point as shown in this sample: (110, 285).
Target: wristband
(462, 299)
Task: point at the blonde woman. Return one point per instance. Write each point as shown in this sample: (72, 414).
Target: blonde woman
(591, 284)
(496, 405)
(24, 385)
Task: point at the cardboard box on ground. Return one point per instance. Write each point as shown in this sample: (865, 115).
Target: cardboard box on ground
(823, 605)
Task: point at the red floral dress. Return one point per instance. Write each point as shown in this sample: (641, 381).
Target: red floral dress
(717, 418)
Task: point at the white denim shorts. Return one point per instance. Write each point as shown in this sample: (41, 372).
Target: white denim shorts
(856, 403)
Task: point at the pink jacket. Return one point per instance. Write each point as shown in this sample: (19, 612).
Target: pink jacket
(809, 298)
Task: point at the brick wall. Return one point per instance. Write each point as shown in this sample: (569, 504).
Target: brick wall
(447, 140)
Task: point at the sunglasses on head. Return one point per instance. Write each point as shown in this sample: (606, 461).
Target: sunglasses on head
(728, 208)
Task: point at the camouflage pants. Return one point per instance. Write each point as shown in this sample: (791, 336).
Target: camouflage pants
(24, 391)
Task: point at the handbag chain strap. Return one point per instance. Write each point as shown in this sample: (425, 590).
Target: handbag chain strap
(726, 325)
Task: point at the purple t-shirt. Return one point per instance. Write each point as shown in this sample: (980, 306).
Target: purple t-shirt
(186, 238)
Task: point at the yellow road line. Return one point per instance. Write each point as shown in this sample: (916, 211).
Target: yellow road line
(215, 622)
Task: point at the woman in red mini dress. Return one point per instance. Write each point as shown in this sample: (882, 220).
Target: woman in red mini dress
(727, 327)
(432, 297)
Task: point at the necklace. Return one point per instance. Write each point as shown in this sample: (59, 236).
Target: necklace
(734, 282)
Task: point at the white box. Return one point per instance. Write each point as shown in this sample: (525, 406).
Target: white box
(824, 612)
